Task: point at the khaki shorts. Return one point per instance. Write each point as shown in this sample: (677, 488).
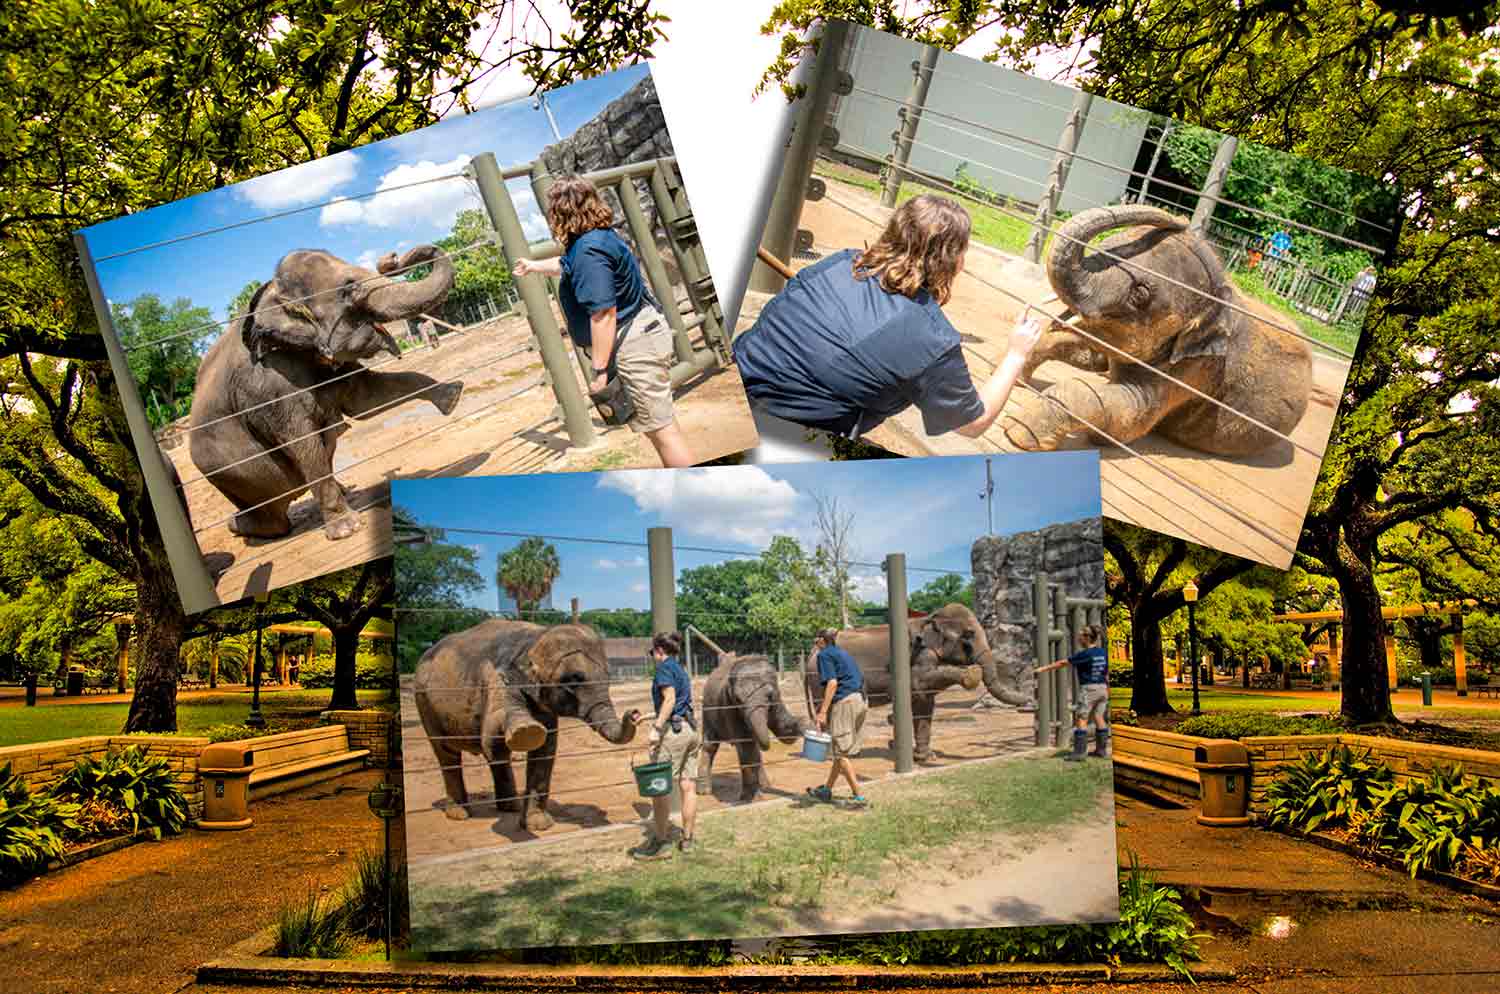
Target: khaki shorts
(644, 363)
(1092, 704)
(846, 723)
(682, 749)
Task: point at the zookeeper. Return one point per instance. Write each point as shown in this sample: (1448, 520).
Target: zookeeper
(842, 713)
(673, 736)
(861, 336)
(610, 313)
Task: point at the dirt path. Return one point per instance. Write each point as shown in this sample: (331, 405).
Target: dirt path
(494, 430)
(1272, 489)
(141, 920)
(592, 785)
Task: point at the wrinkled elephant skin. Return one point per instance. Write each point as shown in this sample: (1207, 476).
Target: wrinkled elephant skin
(742, 707)
(274, 390)
(499, 688)
(1139, 303)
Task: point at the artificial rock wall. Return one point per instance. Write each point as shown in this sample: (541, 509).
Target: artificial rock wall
(1005, 567)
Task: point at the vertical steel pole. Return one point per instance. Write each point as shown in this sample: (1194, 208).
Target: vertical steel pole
(507, 222)
(656, 273)
(541, 182)
(1061, 678)
(1208, 199)
(663, 580)
(1161, 140)
(1057, 176)
(786, 205)
(895, 585)
(1193, 650)
(911, 116)
(682, 235)
(1043, 619)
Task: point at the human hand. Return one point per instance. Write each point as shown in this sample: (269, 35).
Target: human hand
(523, 267)
(1025, 335)
(653, 736)
(822, 723)
(598, 383)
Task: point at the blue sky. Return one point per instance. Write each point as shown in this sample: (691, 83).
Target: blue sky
(930, 509)
(211, 269)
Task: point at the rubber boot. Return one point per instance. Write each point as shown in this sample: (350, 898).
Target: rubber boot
(1080, 746)
(1101, 743)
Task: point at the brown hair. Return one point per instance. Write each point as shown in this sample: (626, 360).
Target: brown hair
(1091, 634)
(829, 635)
(919, 249)
(668, 642)
(573, 207)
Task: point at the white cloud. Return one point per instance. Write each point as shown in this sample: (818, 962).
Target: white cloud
(620, 563)
(432, 203)
(367, 259)
(304, 184)
(738, 503)
(869, 586)
(638, 588)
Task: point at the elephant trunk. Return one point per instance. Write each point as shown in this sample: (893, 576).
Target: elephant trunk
(989, 668)
(611, 728)
(390, 300)
(1066, 267)
(760, 727)
(784, 724)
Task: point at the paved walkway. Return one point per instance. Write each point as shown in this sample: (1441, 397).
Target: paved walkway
(139, 921)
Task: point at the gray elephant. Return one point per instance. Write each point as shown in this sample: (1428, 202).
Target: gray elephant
(500, 687)
(948, 648)
(742, 707)
(273, 391)
(1241, 360)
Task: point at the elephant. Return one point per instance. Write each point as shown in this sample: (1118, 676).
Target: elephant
(499, 688)
(273, 391)
(948, 648)
(742, 706)
(1241, 359)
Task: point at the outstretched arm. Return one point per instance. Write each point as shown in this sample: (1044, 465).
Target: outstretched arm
(542, 267)
(996, 391)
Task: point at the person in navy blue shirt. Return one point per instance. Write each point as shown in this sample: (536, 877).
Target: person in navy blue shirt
(610, 313)
(861, 336)
(674, 737)
(1091, 705)
(842, 712)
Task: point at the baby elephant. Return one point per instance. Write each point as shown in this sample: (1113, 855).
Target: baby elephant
(742, 705)
(1137, 298)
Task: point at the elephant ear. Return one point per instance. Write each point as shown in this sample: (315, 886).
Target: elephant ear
(273, 324)
(930, 637)
(1205, 336)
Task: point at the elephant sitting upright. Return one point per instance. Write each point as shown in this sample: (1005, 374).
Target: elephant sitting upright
(499, 688)
(948, 648)
(273, 391)
(1243, 361)
(742, 706)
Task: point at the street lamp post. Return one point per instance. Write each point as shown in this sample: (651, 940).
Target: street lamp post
(255, 719)
(1190, 594)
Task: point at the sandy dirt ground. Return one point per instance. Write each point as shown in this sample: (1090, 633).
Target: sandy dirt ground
(495, 430)
(592, 786)
(1251, 507)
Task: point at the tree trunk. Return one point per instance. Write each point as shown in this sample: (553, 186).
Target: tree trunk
(1148, 690)
(31, 688)
(160, 624)
(345, 671)
(1366, 691)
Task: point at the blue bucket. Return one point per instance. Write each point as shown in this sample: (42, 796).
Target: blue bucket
(815, 745)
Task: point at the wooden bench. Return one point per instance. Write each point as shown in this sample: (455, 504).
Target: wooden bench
(289, 760)
(1485, 689)
(1163, 760)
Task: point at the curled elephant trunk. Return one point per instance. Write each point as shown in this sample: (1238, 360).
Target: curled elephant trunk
(989, 669)
(760, 726)
(1066, 267)
(390, 300)
(610, 726)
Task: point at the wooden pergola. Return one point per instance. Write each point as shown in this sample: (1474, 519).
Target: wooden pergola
(1336, 618)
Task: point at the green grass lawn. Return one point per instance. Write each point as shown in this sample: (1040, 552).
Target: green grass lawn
(20, 725)
(1210, 699)
(1339, 336)
(756, 870)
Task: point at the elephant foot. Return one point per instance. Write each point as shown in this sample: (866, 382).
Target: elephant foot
(259, 524)
(445, 398)
(525, 736)
(537, 821)
(748, 798)
(342, 526)
(971, 679)
(1019, 434)
(456, 811)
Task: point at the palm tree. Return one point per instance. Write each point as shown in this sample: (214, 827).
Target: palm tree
(527, 572)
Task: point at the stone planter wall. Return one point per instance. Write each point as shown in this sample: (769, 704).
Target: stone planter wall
(369, 729)
(43, 764)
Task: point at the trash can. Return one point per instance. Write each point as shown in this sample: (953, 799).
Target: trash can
(225, 770)
(75, 680)
(1224, 783)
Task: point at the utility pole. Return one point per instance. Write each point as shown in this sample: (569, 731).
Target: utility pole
(988, 496)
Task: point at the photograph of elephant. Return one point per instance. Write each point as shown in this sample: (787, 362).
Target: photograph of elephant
(518, 289)
(960, 258)
(749, 701)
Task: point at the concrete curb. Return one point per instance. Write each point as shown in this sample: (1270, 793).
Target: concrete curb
(1450, 880)
(95, 849)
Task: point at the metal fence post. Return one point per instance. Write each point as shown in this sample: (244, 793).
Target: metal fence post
(910, 116)
(663, 580)
(1043, 619)
(682, 235)
(541, 182)
(507, 223)
(1161, 141)
(1208, 199)
(1057, 176)
(895, 585)
(656, 273)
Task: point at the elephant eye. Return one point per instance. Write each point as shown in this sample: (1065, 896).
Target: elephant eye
(346, 289)
(1140, 296)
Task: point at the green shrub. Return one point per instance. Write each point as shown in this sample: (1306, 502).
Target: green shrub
(133, 781)
(365, 904)
(703, 952)
(33, 828)
(1248, 724)
(233, 733)
(372, 671)
(312, 929)
(1324, 788)
(1429, 824)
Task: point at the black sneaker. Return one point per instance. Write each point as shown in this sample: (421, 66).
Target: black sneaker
(686, 845)
(654, 849)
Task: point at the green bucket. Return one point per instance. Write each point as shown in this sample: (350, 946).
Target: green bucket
(653, 779)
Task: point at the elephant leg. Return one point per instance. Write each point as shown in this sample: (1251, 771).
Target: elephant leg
(749, 756)
(1125, 410)
(921, 727)
(706, 767)
(539, 763)
(512, 720)
(374, 394)
(260, 489)
(505, 781)
(1065, 345)
(450, 760)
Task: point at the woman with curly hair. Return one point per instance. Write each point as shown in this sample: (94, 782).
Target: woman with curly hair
(861, 336)
(611, 314)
